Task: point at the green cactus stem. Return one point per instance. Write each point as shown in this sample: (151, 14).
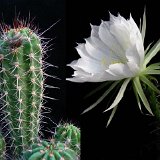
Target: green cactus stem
(50, 151)
(22, 84)
(68, 134)
(2, 147)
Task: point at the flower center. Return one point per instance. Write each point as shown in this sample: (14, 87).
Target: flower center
(104, 62)
(115, 61)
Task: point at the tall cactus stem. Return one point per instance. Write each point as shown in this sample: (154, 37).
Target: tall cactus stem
(22, 83)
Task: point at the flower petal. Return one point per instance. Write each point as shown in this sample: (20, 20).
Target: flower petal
(102, 97)
(110, 41)
(120, 69)
(150, 84)
(141, 94)
(99, 77)
(150, 71)
(98, 89)
(119, 28)
(133, 56)
(143, 31)
(81, 49)
(112, 115)
(137, 98)
(152, 52)
(136, 39)
(96, 51)
(96, 38)
(76, 79)
(119, 95)
(127, 34)
(134, 68)
(91, 66)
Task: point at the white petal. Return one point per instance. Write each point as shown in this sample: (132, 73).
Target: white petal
(100, 77)
(75, 79)
(133, 55)
(128, 34)
(99, 44)
(81, 73)
(107, 77)
(134, 68)
(82, 52)
(120, 69)
(96, 38)
(90, 65)
(109, 40)
(120, 30)
(96, 51)
(94, 31)
(79, 76)
(136, 39)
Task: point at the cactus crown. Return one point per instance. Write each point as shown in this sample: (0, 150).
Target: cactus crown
(50, 151)
(68, 134)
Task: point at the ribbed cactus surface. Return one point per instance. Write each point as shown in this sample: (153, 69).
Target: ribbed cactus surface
(22, 84)
(2, 147)
(50, 151)
(68, 134)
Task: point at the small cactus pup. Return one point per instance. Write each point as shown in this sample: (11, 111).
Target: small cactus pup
(2, 147)
(21, 83)
(68, 134)
(50, 151)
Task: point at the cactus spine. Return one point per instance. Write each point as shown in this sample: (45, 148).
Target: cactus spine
(22, 84)
(2, 147)
(70, 135)
(50, 151)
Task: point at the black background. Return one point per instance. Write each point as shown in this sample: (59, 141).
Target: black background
(129, 135)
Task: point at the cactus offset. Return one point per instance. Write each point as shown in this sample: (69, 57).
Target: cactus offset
(68, 134)
(2, 147)
(50, 151)
(22, 83)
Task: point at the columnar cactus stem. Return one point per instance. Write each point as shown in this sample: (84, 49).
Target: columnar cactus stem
(22, 83)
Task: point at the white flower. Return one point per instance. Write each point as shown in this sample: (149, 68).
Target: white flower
(115, 52)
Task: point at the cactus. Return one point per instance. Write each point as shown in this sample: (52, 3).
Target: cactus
(68, 134)
(21, 97)
(22, 83)
(50, 151)
(2, 147)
